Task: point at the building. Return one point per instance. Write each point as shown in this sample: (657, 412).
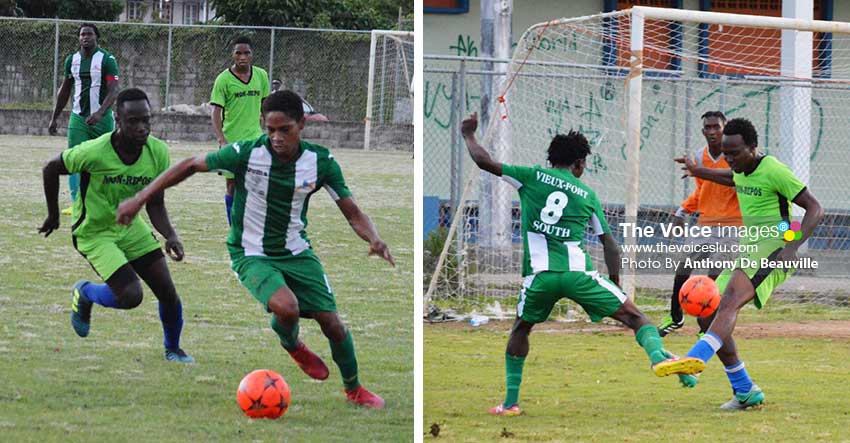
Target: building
(179, 12)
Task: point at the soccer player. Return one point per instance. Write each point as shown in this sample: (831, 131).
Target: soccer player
(766, 187)
(92, 72)
(556, 209)
(114, 167)
(275, 85)
(717, 206)
(237, 95)
(276, 174)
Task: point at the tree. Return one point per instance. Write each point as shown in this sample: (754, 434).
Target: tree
(338, 14)
(101, 10)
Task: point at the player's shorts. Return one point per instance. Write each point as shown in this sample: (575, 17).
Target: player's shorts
(716, 247)
(302, 273)
(598, 296)
(109, 250)
(764, 280)
(79, 131)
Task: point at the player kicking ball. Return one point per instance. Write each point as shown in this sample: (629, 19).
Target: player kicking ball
(765, 187)
(556, 210)
(275, 176)
(114, 167)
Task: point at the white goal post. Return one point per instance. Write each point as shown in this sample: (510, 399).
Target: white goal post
(389, 96)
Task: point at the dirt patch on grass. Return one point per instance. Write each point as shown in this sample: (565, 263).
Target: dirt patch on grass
(834, 329)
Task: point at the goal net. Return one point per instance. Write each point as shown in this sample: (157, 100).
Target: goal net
(389, 100)
(636, 82)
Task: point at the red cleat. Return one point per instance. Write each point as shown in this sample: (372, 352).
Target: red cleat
(360, 396)
(309, 362)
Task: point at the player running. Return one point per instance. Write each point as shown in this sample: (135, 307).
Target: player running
(717, 206)
(237, 95)
(765, 188)
(114, 167)
(556, 209)
(276, 174)
(92, 72)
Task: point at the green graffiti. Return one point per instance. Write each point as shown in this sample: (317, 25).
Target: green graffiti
(465, 47)
(438, 94)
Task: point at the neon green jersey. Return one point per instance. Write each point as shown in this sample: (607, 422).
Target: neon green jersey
(556, 210)
(240, 103)
(90, 76)
(106, 181)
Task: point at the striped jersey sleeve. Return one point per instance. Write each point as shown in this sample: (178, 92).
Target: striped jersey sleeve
(333, 181)
(225, 159)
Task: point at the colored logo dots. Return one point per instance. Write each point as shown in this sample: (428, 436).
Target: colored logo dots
(790, 232)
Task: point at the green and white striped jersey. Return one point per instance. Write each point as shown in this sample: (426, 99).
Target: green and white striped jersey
(556, 211)
(90, 76)
(269, 214)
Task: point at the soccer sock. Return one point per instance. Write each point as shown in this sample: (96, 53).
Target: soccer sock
(738, 378)
(346, 360)
(648, 338)
(172, 323)
(706, 347)
(288, 334)
(513, 378)
(100, 294)
(228, 203)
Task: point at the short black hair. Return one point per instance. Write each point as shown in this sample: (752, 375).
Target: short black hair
(242, 40)
(287, 102)
(89, 25)
(717, 114)
(130, 94)
(567, 149)
(744, 128)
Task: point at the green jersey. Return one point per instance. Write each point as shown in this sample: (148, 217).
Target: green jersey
(90, 76)
(106, 181)
(765, 197)
(269, 215)
(556, 211)
(240, 103)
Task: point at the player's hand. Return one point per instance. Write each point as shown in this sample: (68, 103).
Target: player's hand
(51, 128)
(788, 253)
(127, 211)
(690, 166)
(94, 118)
(380, 249)
(468, 126)
(51, 223)
(174, 248)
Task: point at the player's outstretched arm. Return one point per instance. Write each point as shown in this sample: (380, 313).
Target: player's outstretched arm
(160, 220)
(479, 155)
(692, 169)
(61, 100)
(364, 228)
(128, 209)
(611, 251)
(813, 216)
(50, 175)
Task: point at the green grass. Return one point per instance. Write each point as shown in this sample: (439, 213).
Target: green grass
(598, 387)
(115, 385)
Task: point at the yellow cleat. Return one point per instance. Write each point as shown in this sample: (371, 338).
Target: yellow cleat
(67, 211)
(678, 365)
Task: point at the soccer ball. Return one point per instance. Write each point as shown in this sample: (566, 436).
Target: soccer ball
(263, 394)
(699, 296)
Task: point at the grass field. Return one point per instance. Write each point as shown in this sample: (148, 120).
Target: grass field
(115, 385)
(588, 383)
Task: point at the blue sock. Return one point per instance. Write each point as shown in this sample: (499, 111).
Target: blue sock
(228, 203)
(100, 294)
(706, 347)
(172, 324)
(738, 378)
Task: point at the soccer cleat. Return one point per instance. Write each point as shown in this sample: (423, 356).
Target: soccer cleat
(686, 380)
(500, 409)
(178, 355)
(68, 210)
(678, 365)
(668, 325)
(743, 401)
(309, 362)
(362, 397)
(80, 309)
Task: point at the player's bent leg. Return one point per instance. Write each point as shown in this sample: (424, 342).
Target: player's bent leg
(646, 334)
(85, 294)
(285, 316)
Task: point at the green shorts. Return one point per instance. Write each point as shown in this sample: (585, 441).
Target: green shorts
(109, 250)
(598, 296)
(302, 273)
(764, 280)
(79, 131)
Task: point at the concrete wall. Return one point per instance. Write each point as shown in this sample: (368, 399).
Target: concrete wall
(168, 126)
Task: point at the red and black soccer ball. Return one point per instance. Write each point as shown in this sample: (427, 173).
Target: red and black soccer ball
(263, 394)
(699, 296)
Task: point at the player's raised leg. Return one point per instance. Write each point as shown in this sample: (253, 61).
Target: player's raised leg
(285, 317)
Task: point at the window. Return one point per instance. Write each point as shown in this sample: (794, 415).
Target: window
(135, 10)
(162, 10)
(191, 13)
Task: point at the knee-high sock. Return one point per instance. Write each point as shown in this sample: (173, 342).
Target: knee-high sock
(706, 347)
(738, 378)
(99, 293)
(647, 337)
(228, 204)
(346, 360)
(288, 334)
(172, 323)
(513, 378)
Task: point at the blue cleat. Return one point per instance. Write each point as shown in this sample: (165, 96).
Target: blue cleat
(741, 401)
(178, 355)
(80, 309)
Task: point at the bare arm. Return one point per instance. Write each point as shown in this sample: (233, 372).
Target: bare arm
(61, 101)
(722, 176)
(611, 250)
(364, 228)
(479, 155)
(50, 175)
(218, 124)
(160, 220)
(128, 209)
(813, 216)
(111, 94)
